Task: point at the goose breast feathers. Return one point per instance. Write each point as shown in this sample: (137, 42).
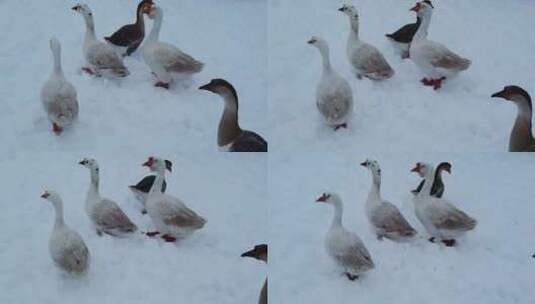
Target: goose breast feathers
(334, 99)
(68, 250)
(348, 251)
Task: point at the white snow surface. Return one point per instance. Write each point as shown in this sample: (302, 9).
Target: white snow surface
(121, 123)
(491, 264)
(400, 113)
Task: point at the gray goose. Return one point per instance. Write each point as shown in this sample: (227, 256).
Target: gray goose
(130, 36)
(230, 136)
(521, 139)
(260, 252)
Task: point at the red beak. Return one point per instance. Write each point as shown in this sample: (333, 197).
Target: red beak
(149, 162)
(416, 8)
(323, 198)
(417, 168)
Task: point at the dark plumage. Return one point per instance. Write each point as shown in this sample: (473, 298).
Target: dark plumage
(437, 190)
(130, 36)
(146, 183)
(405, 33)
(230, 135)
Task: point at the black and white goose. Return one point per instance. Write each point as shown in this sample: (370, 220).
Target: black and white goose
(128, 38)
(437, 190)
(142, 188)
(443, 221)
(260, 252)
(402, 38)
(230, 136)
(521, 139)
(434, 59)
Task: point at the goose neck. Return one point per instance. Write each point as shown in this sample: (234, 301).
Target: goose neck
(229, 127)
(156, 26)
(429, 180)
(58, 208)
(90, 29)
(354, 31)
(324, 51)
(140, 22)
(158, 182)
(375, 190)
(56, 54)
(521, 134)
(338, 212)
(423, 27)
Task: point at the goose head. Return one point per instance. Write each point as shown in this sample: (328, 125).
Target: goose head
(350, 11)
(444, 166)
(422, 169)
(423, 8)
(515, 94)
(51, 196)
(220, 87)
(155, 12)
(374, 168)
(317, 42)
(89, 163)
(158, 164)
(259, 252)
(145, 6)
(83, 9)
(329, 198)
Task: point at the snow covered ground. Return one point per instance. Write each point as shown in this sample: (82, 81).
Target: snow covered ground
(121, 124)
(493, 264)
(400, 113)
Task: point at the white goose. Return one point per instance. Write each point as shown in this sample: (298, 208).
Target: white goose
(443, 221)
(66, 246)
(345, 247)
(384, 217)
(334, 97)
(58, 95)
(171, 217)
(365, 58)
(101, 57)
(164, 58)
(105, 214)
(435, 60)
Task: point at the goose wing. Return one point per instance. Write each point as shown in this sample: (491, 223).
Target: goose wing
(110, 217)
(389, 218)
(104, 57)
(447, 217)
(174, 60)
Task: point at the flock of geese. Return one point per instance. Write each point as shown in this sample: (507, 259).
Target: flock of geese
(171, 217)
(174, 220)
(441, 219)
(166, 61)
(334, 97)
